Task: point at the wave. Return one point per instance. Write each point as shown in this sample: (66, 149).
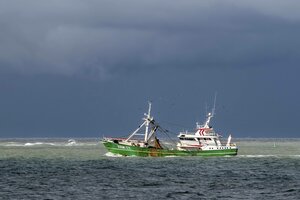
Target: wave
(12, 144)
(256, 156)
(109, 154)
(266, 156)
(69, 143)
(38, 144)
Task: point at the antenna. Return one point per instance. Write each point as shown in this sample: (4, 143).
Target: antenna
(214, 108)
(210, 115)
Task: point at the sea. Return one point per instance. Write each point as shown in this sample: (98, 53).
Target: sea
(81, 168)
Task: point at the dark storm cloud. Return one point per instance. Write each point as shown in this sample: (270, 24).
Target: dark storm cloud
(247, 51)
(106, 37)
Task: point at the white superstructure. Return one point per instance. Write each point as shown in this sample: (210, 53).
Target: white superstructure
(204, 138)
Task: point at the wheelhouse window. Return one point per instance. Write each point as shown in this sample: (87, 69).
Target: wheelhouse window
(190, 139)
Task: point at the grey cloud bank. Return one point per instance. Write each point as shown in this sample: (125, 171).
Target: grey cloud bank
(69, 67)
(74, 37)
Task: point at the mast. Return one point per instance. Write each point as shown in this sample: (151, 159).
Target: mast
(147, 122)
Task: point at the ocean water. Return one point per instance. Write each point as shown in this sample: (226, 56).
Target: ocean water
(43, 168)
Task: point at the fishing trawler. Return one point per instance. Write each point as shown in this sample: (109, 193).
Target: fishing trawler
(204, 141)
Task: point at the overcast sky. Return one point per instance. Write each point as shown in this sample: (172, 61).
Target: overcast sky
(71, 68)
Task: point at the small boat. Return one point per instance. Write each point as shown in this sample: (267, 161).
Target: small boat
(71, 142)
(202, 142)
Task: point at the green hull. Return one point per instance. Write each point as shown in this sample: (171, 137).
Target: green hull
(126, 150)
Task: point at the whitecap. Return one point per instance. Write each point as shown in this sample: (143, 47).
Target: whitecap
(38, 143)
(109, 154)
(13, 144)
(257, 156)
(268, 156)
